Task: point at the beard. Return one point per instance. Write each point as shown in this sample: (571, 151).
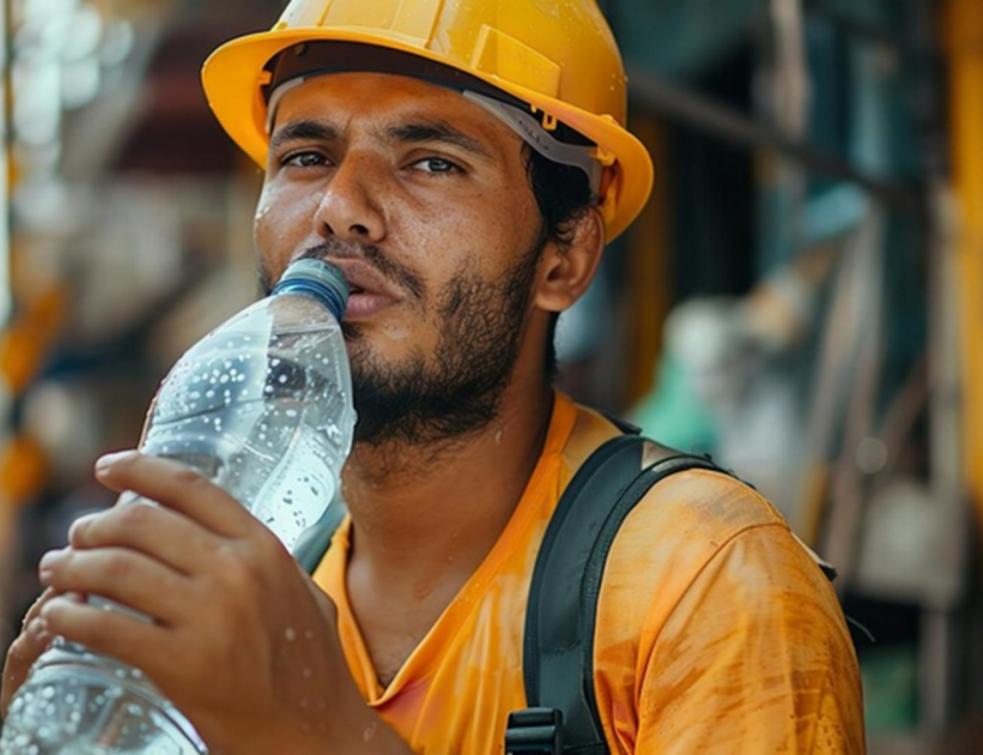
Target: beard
(432, 399)
(458, 389)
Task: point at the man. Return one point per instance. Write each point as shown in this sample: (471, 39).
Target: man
(463, 164)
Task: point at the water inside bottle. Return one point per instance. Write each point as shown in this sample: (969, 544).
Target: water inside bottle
(271, 417)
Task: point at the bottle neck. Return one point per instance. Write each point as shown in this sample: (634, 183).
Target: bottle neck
(323, 293)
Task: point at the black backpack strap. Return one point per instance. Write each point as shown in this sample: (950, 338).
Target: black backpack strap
(561, 612)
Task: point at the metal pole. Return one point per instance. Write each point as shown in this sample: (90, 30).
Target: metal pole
(687, 107)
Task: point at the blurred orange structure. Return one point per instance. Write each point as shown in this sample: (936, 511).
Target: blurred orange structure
(965, 44)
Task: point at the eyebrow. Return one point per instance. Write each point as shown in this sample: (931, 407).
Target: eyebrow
(435, 131)
(417, 132)
(305, 129)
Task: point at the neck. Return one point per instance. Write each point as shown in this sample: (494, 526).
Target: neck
(419, 512)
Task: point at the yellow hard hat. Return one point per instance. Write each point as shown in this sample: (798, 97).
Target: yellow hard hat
(557, 57)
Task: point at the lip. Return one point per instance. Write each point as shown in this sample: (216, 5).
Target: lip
(363, 305)
(370, 291)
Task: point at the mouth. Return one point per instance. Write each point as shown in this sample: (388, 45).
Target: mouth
(369, 291)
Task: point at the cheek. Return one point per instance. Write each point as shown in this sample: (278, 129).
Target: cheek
(283, 219)
(480, 231)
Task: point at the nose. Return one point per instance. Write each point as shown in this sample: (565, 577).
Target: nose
(347, 209)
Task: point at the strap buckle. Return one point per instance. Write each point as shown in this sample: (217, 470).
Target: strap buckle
(535, 730)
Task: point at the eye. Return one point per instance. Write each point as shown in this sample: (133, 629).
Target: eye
(305, 159)
(436, 165)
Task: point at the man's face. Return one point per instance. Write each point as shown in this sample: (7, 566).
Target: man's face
(423, 200)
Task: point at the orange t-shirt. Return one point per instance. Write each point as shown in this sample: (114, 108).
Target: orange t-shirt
(716, 631)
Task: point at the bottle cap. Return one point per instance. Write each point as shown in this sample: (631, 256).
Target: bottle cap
(318, 279)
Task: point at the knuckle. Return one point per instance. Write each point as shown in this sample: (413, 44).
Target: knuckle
(36, 606)
(227, 556)
(234, 593)
(231, 575)
(130, 517)
(243, 575)
(80, 532)
(53, 614)
(58, 573)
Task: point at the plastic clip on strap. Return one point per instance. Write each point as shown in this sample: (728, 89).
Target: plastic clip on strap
(534, 730)
(537, 137)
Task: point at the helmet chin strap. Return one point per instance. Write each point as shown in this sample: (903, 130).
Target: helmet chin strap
(524, 124)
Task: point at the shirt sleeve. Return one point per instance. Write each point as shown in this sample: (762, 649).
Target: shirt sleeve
(754, 658)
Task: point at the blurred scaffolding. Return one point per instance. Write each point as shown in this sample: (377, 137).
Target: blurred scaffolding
(126, 235)
(802, 297)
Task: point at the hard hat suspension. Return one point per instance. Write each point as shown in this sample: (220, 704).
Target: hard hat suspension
(308, 60)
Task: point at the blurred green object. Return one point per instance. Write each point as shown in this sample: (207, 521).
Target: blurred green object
(673, 414)
(890, 681)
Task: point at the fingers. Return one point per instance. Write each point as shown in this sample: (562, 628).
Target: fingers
(109, 633)
(163, 534)
(34, 611)
(178, 488)
(121, 575)
(33, 640)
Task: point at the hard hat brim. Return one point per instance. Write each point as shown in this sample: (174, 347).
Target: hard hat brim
(233, 75)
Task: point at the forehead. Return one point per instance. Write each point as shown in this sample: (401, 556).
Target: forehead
(349, 100)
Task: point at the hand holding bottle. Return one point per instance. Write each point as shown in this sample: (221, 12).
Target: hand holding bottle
(242, 641)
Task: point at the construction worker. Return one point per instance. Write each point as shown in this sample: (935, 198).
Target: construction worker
(464, 164)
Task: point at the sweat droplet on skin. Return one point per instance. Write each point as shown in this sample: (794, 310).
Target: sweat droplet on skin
(396, 332)
(290, 634)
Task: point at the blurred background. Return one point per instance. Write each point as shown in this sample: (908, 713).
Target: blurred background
(802, 298)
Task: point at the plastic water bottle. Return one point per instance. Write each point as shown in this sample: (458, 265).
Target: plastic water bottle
(261, 406)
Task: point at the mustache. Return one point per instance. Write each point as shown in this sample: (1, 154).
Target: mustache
(390, 269)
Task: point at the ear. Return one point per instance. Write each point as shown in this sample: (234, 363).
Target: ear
(566, 269)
